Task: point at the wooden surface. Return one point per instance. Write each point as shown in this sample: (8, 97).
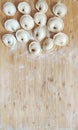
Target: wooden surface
(39, 94)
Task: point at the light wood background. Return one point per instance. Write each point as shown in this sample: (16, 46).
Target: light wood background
(39, 94)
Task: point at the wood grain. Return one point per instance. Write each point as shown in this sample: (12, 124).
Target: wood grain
(39, 94)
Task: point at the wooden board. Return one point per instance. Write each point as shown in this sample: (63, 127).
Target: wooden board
(40, 93)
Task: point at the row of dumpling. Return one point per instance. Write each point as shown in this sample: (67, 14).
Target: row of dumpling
(26, 24)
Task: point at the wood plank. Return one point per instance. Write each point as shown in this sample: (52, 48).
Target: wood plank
(40, 93)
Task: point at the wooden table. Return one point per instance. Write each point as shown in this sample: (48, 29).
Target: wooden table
(40, 93)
